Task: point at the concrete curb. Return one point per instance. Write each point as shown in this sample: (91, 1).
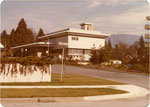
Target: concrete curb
(41, 99)
(134, 91)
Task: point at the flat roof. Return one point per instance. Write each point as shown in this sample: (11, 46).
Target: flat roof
(78, 32)
(33, 44)
(86, 23)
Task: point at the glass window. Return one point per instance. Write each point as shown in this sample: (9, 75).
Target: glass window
(75, 38)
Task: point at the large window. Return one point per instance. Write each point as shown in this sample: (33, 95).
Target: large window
(78, 51)
(75, 51)
(87, 51)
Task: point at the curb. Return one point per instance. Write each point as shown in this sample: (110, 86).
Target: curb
(41, 99)
(134, 91)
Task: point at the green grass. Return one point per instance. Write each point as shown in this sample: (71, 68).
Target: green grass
(70, 79)
(65, 92)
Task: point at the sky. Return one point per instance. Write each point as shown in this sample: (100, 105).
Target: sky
(108, 17)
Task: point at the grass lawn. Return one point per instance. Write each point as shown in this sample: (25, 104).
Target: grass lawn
(70, 79)
(65, 92)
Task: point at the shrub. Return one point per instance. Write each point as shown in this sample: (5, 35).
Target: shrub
(123, 67)
(115, 66)
(30, 60)
(140, 67)
(72, 62)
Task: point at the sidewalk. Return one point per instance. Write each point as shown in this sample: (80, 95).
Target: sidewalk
(134, 91)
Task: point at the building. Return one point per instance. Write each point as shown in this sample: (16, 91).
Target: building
(37, 49)
(147, 34)
(1, 46)
(3, 50)
(78, 42)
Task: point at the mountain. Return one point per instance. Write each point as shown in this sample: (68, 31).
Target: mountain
(125, 38)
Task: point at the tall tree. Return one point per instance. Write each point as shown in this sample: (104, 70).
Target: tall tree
(143, 52)
(41, 33)
(107, 52)
(141, 49)
(12, 38)
(5, 40)
(23, 35)
(115, 54)
(122, 52)
(109, 44)
(22, 24)
(94, 56)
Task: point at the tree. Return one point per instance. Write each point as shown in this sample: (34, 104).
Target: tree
(12, 38)
(143, 52)
(141, 49)
(22, 35)
(94, 56)
(41, 33)
(107, 51)
(5, 40)
(109, 45)
(103, 54)
(115, 53)
(22, 24)
(122, 52)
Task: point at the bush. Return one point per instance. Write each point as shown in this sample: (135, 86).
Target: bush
(140, 67)
(30, 60)
(123, 67)
(115, 66)
(72, 62)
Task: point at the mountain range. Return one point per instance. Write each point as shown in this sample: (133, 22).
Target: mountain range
(124, 38)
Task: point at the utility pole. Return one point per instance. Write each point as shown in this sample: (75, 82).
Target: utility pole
(63, 52)
(48, 46)
(50, 71)
(62, 69)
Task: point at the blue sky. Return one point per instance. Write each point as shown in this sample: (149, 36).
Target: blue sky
(109, 17)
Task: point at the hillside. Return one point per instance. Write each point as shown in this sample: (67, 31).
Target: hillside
(125, 38)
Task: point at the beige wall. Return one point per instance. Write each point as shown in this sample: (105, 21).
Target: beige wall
(85, 42)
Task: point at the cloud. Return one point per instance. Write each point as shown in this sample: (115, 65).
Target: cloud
(107, 16)
(133, 16)
(131, 21)
(95, 3)
(122, 2)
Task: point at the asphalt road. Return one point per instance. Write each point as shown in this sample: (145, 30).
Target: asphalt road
(139, 80)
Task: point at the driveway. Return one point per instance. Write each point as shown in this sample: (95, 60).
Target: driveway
(139, 80)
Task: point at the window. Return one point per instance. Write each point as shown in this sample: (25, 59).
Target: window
(75, 38)
(87, 52)
(75, 51)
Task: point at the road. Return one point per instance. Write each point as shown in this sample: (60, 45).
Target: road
(139, 80)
